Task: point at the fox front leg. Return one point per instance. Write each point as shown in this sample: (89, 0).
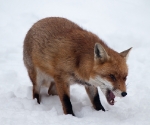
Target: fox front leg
(63, 90)
(94, 97)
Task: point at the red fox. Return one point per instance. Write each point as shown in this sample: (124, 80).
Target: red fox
(58, 52)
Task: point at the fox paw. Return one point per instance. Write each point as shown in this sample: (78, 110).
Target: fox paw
(100, 107)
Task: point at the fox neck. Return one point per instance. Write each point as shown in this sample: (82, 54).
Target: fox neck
(100, 82)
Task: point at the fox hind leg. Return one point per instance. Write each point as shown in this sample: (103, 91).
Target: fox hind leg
(36, 86)
(36, 93)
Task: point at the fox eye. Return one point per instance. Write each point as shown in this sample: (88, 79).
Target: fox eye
(124, 78)
(112, 77)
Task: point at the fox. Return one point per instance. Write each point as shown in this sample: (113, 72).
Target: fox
(58, 53)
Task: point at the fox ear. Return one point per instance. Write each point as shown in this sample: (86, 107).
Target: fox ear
(125, 53)
(100, 54)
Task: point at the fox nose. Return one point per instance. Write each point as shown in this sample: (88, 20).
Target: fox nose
(123, 94)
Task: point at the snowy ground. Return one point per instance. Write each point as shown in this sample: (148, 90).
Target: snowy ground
(121, 24)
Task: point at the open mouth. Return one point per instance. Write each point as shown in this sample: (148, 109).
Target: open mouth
(110, 97)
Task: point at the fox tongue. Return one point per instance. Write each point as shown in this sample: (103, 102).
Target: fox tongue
(110, 97)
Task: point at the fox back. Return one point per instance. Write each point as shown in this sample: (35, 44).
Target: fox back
(57, 53)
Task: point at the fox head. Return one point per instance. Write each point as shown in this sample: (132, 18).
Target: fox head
(110, 72)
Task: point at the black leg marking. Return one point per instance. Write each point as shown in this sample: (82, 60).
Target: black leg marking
(97, 104)
(37, 97)
(67, 105)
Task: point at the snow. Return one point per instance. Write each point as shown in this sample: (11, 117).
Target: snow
(121, 24)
